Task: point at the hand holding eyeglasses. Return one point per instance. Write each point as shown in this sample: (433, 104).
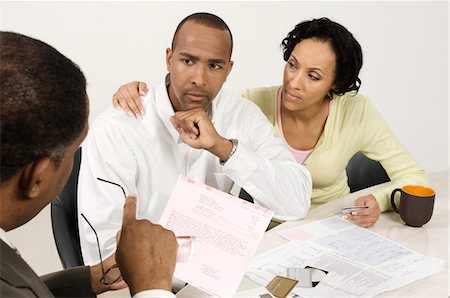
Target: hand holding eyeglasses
(106, 279)
(146, 253)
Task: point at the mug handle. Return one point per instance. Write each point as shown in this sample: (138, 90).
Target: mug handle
(392, 199)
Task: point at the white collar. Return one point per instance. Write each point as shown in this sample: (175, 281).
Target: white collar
(6, 240)
(164, 109)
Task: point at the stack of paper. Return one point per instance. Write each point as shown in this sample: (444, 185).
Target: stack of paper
(359, 262)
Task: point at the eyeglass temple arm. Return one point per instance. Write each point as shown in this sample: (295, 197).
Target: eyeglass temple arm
(98, 243)
(113, 183)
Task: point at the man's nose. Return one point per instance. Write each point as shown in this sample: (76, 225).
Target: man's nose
(199, 76)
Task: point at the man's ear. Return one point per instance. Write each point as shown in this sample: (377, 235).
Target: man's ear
(169, 54)
(231, 67)
(33, 175)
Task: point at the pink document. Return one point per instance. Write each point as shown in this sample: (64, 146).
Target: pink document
(227, 232)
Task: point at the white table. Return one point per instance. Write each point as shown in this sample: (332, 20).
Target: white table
(432, 240)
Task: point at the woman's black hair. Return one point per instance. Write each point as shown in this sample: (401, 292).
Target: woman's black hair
(348, 51)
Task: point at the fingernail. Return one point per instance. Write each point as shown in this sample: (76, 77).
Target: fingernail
(141, 93)
(142, 113)
(354, 213)
(345, 217)
(130, 114)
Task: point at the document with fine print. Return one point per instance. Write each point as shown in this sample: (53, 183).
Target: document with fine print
(227, 232)
(359, 262)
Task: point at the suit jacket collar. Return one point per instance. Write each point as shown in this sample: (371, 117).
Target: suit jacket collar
(16, 273)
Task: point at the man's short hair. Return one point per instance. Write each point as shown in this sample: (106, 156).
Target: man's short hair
(208, 20)
(44, 105)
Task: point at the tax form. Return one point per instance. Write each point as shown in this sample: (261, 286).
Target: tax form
(359, 261)
(344, 278)
(227, 230)
(369, 249)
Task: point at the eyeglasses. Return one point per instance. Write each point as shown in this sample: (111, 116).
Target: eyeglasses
(186, 243)
(116, 184)
(112, 274)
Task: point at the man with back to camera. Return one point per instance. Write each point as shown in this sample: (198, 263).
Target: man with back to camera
(36, 161)
(194, 128)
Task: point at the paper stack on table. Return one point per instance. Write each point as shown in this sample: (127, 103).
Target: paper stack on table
(359, 262)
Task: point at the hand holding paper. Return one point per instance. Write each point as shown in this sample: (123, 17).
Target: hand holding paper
(227, 232)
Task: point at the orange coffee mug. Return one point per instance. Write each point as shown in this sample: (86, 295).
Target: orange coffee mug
(415, 205)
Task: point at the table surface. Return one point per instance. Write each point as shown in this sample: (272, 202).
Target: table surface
(432, 239)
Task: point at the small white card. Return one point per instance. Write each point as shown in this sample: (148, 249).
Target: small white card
(227, 233)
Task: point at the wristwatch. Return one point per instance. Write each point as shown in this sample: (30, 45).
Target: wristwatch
(233, 149)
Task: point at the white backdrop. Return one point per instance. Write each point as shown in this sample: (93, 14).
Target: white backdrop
(405, 45)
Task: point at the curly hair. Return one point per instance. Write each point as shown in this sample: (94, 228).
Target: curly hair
(348, 51)
(44, 105)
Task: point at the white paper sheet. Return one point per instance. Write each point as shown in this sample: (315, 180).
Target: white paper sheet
(359, 261)
(368, 249)
(260, 292)
(228, 231)
(344, 279)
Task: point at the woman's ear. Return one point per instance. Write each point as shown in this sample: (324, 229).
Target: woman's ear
(33, 175)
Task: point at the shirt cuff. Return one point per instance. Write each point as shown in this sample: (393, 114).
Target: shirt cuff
(154, 294)
(241, 165)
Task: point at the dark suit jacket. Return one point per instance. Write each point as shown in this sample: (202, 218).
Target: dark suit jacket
(19, 280)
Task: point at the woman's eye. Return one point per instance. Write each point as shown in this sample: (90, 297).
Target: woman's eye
(313, 77)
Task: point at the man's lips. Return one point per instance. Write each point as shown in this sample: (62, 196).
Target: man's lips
(195, 96)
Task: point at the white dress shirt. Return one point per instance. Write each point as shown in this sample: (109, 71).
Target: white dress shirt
(146, 156)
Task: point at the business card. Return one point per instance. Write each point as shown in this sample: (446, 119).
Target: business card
(281, 286)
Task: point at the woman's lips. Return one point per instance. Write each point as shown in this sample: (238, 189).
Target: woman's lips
(291, 97)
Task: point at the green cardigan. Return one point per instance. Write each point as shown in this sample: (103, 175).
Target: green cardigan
(352, 125)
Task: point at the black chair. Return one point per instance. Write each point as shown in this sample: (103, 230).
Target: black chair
(363, 172)
(245, 195)
(65, 219)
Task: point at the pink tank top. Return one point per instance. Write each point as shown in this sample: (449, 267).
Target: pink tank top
(299, 155)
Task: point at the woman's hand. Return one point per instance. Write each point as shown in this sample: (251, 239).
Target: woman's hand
(128, 98)
(365, 217)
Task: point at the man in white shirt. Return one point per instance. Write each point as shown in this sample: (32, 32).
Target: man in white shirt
(191, 128)
(36, 160)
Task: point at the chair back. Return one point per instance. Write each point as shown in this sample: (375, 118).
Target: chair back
(363, 172)
(245, 195)
(65, 220)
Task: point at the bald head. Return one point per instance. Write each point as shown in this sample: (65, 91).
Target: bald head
(205, 19)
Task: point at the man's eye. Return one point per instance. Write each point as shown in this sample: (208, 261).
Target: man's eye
(214, 66)
(187, 61)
